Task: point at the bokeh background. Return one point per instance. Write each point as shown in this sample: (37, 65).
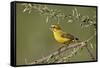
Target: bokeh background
(34, 40)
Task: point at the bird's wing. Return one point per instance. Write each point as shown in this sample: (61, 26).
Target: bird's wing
(67, 35)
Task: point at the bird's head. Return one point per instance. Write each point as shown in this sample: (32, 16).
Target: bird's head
(55, 27)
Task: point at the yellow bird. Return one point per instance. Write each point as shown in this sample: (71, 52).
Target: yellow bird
(60, 36)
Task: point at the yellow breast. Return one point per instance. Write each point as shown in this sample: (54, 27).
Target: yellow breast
(59, 38)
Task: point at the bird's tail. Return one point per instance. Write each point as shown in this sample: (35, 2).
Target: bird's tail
(76, 38)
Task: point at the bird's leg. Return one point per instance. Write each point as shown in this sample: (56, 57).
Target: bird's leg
(75, 41)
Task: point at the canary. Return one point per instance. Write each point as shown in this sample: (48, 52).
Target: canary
(60, 36)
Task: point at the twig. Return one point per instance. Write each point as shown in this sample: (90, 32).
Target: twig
(92, 57)
(54, 57)
(86, 41)
(56, 53)
(91, 37)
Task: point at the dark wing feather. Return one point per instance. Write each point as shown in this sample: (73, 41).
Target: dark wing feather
(67, 35)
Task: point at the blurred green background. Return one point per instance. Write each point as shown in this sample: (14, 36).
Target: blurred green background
(34, 40)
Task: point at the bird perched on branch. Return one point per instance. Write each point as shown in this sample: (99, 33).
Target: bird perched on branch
(60, 36)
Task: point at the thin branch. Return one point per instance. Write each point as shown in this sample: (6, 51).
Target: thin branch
(85, 21)
(91, 55)
(56, 53)
(56, 58)
(91, 37)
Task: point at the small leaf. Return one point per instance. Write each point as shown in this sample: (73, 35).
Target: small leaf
(25, 10)
(30, 5)
(70, 21)
(73, 12)
(91, 45)
(76, 12)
